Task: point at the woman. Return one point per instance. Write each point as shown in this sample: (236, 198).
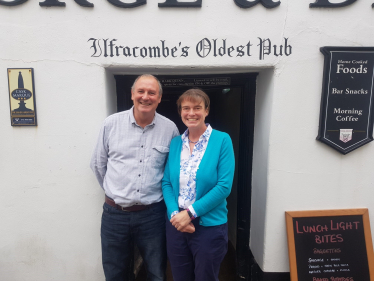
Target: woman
(197, 180)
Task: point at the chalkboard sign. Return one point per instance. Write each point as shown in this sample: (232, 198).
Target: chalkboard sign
(330, 245)
(346, 116)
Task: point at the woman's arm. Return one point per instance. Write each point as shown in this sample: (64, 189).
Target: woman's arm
(225, 174)
(168, 192)
(172, 205)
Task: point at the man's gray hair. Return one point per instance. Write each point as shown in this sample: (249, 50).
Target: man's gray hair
(148, 76)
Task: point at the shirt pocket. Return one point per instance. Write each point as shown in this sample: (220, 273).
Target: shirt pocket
(159, 154)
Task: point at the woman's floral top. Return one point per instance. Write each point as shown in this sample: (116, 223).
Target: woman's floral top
(188, 167)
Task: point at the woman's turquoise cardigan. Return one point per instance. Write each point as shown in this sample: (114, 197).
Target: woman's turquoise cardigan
(213, 179)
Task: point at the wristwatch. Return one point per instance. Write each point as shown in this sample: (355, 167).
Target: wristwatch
(192, 217)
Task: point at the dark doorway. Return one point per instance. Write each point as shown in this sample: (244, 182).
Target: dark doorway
(232, 111)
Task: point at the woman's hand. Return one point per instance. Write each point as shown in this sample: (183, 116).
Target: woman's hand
(180, 220)
(190, 228)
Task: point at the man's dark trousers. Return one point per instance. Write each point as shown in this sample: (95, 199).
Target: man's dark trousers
(146, 228)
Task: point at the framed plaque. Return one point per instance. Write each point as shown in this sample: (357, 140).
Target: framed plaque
(22, 97)
(330, 245)
(346, 115)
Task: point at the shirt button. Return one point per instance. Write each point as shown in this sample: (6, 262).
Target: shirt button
(138, 190)
(140, 161)
(142, 146)
(139, 175)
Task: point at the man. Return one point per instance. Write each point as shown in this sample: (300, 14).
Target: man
(128, 162)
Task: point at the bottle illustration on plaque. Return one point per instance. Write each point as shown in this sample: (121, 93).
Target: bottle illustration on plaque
(21, 94)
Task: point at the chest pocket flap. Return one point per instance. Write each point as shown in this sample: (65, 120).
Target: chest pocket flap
(159, 154)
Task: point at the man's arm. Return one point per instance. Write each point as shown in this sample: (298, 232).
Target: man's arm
(99, 158)
(175, 132)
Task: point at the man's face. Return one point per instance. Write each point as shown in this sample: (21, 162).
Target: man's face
(145, 95)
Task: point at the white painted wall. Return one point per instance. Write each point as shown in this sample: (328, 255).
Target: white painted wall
(263, 115)
(50, 203)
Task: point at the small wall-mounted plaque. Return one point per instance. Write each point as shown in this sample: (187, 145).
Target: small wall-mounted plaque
(330, 245)
(346, 117)
(22, 97)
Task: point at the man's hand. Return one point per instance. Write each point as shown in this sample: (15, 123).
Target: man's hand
(180, 220)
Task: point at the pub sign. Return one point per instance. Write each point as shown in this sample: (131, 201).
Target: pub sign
(22, 97)
(346, 116)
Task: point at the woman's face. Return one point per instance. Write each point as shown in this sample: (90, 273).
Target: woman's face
(193, 114)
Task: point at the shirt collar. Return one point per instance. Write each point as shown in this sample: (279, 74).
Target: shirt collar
(205, 135)
(133, 121)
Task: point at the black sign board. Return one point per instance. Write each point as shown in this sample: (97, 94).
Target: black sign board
(346, 117)
(196, 82)
(331, 245)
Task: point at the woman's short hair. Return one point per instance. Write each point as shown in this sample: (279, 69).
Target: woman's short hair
(194, 95)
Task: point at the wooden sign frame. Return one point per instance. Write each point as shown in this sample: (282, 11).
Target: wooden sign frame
(328, 213)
